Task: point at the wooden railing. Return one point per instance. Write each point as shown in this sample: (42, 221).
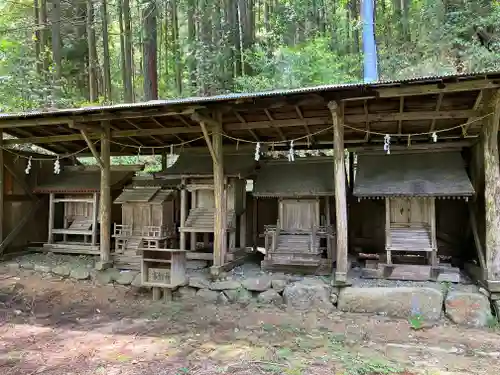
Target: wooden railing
(121, 230)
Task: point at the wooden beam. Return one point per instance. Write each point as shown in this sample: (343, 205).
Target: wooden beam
(340, 193)
(271, 120)
(209, 142)
(20, 181)
(92, 148)
(367, 122)
(220, 240)
(410, 116)
(438, 107)
(306, 128)
(423, 89)
(489, 138)
(243, 121)
(138, 127)
(105, 197)
(95, 215)
(476, 106)
(441, 146)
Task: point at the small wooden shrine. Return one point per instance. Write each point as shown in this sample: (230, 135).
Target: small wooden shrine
(197, 211)
(148, 218)
(303, 234)
(410, 183)
(74, 206)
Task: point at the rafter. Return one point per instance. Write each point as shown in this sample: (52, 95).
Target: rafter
(438, 107)
(271, 125)
(301, 116)
(138, 127)
(367, 123)
(243, 121)
(162, 126)
(477, 104)
(401, 108)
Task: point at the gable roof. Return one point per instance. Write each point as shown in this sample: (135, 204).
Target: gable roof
(299, 178)
(81, 181)
(199, 164)
(431, 174)
(143, 195)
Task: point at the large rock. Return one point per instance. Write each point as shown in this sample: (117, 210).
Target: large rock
(471, 309)
(186, 292)
(257, 284)
(207, 295)
(241, 296)
(225, 285)
(199, 282)
(222, 299)
(308, 293)
(62, 270)
(270, 296)
(279, 285)
(125, 277)
(26, 264)
(80, 273)
(137, 282)
(401, 302)
(107, 276)
(42, 268)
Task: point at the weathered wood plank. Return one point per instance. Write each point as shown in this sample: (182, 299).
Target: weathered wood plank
(340, 193)
(105, 196)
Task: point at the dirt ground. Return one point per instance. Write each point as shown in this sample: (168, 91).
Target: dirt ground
(52, 326)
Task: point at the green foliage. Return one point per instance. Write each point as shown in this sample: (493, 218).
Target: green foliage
(416, 321)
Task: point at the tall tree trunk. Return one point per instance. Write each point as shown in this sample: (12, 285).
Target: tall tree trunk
(397, 18)
(205, 75)
(127, 42)
(192, 48)
(176, 48)
(406, 20)
(93, 88)
(354, 18)
(150, 52)
(44, 38)
(105, 45)
(38, 46)
(119, 11)
(56, 38)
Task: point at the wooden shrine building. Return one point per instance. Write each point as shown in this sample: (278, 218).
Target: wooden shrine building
(426, 115)
(148, 214)
(197, 202)
(73, 224)
(303, 233)
(410, 183)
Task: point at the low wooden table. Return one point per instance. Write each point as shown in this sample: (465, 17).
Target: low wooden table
(163, 269)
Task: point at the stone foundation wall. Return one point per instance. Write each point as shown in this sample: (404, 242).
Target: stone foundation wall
(466, 305)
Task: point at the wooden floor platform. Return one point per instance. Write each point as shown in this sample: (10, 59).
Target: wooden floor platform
(71, 248)
(325, 268)
(412, 272)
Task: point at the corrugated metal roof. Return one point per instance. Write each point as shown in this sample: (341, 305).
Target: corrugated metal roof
(424, 174)
(200, 164)
(304, 177)
(74, 181)
(240, 96)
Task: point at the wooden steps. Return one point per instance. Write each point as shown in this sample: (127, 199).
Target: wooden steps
(202, 220)
(295, 250)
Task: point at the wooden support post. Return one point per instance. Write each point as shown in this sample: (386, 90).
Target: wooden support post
(95, 213)
(255, 223)
(156, 293)
(340, 193)
(214, 145)
(2, 187)
(51, 217)
(163, 161)
(192, 241)
(489, 139)
(351, 171)
(182, 235)
(329, 249)
(243, 221)
(105, 206)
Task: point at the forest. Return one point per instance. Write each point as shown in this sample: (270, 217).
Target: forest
(63, 53)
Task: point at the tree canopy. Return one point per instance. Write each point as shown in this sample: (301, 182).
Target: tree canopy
(60, 53)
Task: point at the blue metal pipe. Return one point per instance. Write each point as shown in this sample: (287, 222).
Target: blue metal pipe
(370, 73)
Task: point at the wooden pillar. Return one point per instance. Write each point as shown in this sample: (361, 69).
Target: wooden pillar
(192, 241)
(255, 223)
(164, 161)
(340, 193)
(329, 249)
(51, 217)
(243, 220)
(2, 186)
(489, 139)
(182, 235)
(220, 240)
(95, 213)
(105, 206)
(351, 171)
